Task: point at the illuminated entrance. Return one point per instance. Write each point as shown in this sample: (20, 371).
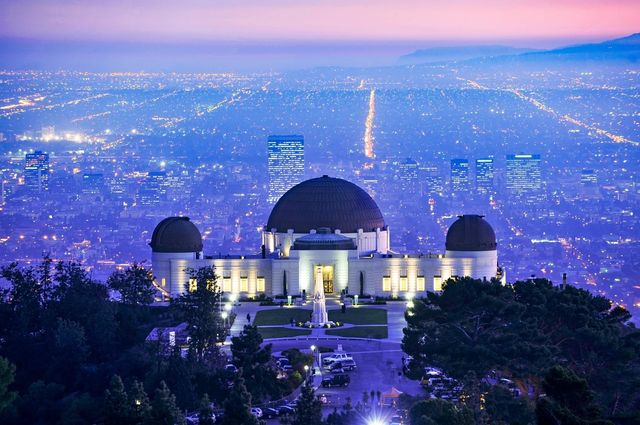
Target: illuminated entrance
(327, 278)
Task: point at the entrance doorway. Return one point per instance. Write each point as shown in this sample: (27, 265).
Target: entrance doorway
(327, 278)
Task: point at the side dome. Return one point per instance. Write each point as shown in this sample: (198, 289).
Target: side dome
(325, 202)
(176, 234)
(471, 233)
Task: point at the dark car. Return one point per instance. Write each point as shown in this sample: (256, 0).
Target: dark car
(286, 410)
(269, 413)
(341, 380)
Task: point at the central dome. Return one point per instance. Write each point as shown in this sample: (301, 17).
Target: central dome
(326, 202)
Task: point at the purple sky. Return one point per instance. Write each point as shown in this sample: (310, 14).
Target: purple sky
(535, 23)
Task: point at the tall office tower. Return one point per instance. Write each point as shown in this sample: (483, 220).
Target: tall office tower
(588, 178)
(408, 176)
(92, 183)
(459, 175)
(36, 171)
(154, 188)
(432, 181)
(524, 181)
(484, 175)
(285, 163)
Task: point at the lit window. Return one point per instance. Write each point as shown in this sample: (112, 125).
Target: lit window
(386, 284)
(420, 283)
(193, 285)
(404, 286)
(437, 283)
(260, 284)
(226, 284)
(164, 282)
(244, 284)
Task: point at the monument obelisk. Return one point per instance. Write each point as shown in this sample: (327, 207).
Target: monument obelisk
(319, 316)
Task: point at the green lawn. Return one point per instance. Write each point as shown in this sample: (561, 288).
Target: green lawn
(282, 332)
(360, 316)
(281, 316)
(374, 332)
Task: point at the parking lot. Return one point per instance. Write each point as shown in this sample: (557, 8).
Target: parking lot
(378, 369)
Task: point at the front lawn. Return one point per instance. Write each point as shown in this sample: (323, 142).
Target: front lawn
(282, 332)
(360, 316)
(281, 316)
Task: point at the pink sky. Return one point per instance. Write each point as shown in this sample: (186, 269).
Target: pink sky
(322, 20)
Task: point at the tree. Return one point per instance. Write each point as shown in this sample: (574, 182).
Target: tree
(254, 360)
(7, 374)
(237, 406)
(117, 410)
(568, 400)
(135, 285)
(205, 412)
(164, 410)
(139, 403)
(200, 309)
(503, 408)
(439, 412)
(308, 408)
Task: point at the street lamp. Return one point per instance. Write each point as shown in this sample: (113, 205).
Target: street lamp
(306, 373)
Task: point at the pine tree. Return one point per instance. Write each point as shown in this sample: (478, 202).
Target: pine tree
(237, 407)
(7, 373)
(308, 409)
(139, 403)
(164, 410)
(205, 412)
(117, 410)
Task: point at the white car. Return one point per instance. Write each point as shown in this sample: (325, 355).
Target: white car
(257, 412)
(336, 357)
(195, 418)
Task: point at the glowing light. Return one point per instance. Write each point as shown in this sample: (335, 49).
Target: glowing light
(368, 126)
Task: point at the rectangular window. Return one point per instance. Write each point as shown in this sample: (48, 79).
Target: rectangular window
(260, 284)
(226, 284)
(404, 285)
(386, 283)
(244, 284)
(420, 283)
(193, 285)
(437, 283)
(164, 282)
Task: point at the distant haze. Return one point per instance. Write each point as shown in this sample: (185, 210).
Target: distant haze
(207, 35)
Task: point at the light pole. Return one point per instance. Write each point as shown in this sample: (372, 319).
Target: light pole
(313, 356)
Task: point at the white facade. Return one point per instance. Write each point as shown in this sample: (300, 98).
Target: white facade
(387, 275)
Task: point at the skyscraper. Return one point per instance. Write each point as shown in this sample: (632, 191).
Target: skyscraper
(36, 171)
(484, 175)
(459, 175)
(285, 163)
(588, 178)
(524, 181)
(154, 188)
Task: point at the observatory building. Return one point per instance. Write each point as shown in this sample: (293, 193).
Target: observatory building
(326, 228)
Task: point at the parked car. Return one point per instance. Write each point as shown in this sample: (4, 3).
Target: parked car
(257, 412)
(341, 380)
(231, 368)
(336, 357)
(194, 418)
(270, 413)
(286, 410)
(396, 420)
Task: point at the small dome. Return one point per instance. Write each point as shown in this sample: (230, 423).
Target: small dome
(471, 233)
(176, 234)
(323, 239)
(325, 202)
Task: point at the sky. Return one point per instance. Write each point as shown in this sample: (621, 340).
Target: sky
(526, 21)
(243, 35)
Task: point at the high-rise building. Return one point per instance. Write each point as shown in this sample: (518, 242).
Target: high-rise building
(588, 178)
(459, 175)
(36, 171)
(408, 176)
(92, 183)
(285, 163)
(484, 175)
(154, 188)
(524, 181)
